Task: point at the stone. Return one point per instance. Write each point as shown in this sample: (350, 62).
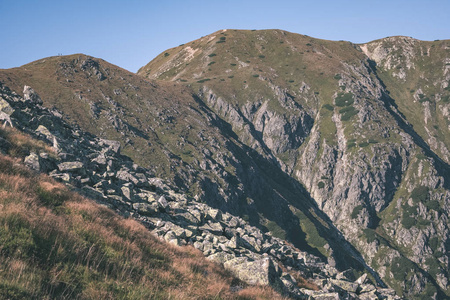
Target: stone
(114, 146)
(5, 107)
(214, 228)
(258, 272)
(45, 132)
(163, 202)
(171, 238)
(215, 214)
(145, 208)
(124, 175)
(345, 285)
(362, 279)
(32, 161)
(220, 257)
(92, 193)
(30, 95)
(126, 192)
(70, 166)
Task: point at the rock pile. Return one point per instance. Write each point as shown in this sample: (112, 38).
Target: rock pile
(97, 169)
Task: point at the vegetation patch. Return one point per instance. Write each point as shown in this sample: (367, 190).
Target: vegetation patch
(356, 211)
(344, 99)
(420, 194)
(321, 185)
(329, 107)
(347, 112)
(203, 80)
(212, 55)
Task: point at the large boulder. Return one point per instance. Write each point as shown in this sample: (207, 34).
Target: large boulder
(258, 272)
(30, 95)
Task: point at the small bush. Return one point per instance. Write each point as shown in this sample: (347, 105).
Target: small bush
(321, 185)
(420, 194)
(203, 80)
(308, 44)
(211, 63)
(348, 114)
(344, 99)
(233, 65)
(256, 75)
(433, 204)
(231, 76)
(212, 55)
(329, 107)
(337, 76)
(166, 54)
(372, 141)
(363, 144)
(401, 267)
(370, 235)
(351, 145)
(356, 211)
(408, 221)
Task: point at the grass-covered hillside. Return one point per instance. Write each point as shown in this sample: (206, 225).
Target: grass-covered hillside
(55, 244)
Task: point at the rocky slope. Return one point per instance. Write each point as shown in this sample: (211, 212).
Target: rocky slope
(336, 117)
(313, 140)
(95, 168)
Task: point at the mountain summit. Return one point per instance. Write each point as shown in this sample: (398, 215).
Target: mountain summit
(339, 148)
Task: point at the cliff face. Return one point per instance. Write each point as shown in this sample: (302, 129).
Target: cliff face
(339, 148)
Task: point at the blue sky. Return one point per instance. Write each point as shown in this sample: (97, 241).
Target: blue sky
(131, 33)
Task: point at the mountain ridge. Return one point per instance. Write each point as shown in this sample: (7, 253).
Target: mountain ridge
(312, 120)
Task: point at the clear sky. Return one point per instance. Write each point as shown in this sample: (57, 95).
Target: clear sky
(131, 33)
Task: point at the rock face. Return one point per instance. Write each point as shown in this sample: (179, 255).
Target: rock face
(252, 255)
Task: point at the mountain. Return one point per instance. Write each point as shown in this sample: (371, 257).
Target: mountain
(341, 149)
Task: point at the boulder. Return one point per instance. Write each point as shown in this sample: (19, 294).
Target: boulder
(5, 107)
(258, 272)
(345, 285)
(70, 166)
(163, 202)
(32, 161)
(92, 193)
(30, 95)
(147, 209)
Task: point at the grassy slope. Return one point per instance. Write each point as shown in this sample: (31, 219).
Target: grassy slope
(56, 244)
(153, 117)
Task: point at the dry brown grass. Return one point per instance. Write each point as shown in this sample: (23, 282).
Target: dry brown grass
(22, 144)
(56, 244)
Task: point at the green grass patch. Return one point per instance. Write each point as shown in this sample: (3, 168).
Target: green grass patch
(344, 99)
(356, 210)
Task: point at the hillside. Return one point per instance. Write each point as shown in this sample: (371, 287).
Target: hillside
(339, 148)
(56, 244)
(364, 128)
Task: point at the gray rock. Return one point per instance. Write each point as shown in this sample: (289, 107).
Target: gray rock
(70, 166)
(258, 272)
(127, 193)
(32, 161)
(92, 193)
(30, 95)
(163, 202)
(345, 285)
(148, 209)
(5, 107)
